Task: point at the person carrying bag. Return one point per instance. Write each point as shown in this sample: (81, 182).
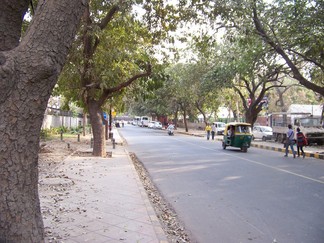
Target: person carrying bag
(290, 141)
(301, 142)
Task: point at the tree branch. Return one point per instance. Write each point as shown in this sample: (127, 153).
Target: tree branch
(277, 47)
(307, 59)
(104, 22)
(109, 91)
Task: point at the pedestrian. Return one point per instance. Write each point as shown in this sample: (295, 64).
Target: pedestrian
(301, 142)
(208, 129)
(290, 141)
(213, 131)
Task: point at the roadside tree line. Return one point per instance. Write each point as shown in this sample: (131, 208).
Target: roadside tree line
(102, 50)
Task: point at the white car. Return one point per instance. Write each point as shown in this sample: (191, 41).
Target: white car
(220, 127)
(158, 125)
(151, 124)
(262, 132)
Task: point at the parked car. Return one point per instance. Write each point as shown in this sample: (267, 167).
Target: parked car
(220, 127)
(151, 124)
(158, 125)
(262, 132)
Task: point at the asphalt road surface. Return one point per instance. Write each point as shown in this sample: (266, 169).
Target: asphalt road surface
(229, 196)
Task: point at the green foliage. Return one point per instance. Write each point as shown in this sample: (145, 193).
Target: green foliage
(125, 48)
(62, 129)
(53, 131)
(241, 60)
(44, 133)
(76, 130)
(48, 132)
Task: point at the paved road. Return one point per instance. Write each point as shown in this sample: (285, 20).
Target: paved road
(230, 196)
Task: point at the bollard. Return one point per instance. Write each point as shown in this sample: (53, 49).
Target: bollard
(91, 143)
(113, 143)
(79, 137)
(111, 135)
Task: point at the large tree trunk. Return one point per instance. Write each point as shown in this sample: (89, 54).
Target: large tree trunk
(251, 116)
(98, 129)
(28, 74)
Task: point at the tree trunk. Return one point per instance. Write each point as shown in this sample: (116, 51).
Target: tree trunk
(202, 112)
(251, 116)
(84, 123)
(29, 70)
(98, 129)
(176, 119)
(185, 119)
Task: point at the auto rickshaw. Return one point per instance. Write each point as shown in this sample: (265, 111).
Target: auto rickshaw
(237, 134)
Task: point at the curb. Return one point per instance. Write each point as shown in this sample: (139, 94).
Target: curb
(267, 147)
(307, 154)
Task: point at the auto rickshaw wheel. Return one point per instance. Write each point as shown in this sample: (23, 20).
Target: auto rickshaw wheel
(223, 145)
(244, 149)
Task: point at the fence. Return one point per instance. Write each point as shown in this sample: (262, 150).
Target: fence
(56, 118)
(57, 121)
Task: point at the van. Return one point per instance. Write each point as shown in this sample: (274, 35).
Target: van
(136, 120)
(220, 127)
(144, 121)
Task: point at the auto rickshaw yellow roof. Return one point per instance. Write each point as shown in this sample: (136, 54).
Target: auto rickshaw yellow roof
(237, 124)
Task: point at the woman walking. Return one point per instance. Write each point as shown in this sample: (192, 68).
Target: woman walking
(301, 142)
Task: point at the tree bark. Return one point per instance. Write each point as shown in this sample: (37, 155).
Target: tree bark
(29, 70)
(12, 11)
(84, 123)
(98, 129)
(251, 116)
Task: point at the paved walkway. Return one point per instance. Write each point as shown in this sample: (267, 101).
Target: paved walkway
(99, 200)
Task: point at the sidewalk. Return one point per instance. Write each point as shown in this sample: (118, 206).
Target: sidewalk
(98, 200)
(310, 151)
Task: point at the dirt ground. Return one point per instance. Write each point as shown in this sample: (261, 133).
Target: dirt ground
(54, 151)
(53, 184)
(51, 156)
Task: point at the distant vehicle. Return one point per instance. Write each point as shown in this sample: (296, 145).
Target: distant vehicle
(144, 121)
(158, 125)
(310, 125)
(262, 132)
(220, 127)
(170, 129)
(151, 124)
(136, 120)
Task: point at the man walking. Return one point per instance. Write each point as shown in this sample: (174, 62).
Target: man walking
(290, 141)
(208, 129)
(213, 131)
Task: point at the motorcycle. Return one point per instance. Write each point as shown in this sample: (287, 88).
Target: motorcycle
(170, 130)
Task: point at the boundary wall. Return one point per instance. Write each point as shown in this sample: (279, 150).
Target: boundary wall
(51, 121)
